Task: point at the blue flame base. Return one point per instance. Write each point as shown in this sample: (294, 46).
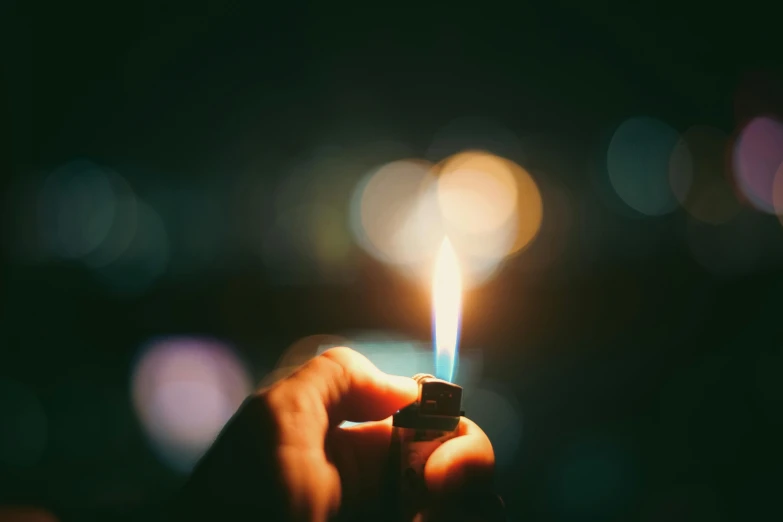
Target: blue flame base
(445, 366)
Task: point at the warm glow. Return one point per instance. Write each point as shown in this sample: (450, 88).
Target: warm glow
(477, 193)
(446, 304)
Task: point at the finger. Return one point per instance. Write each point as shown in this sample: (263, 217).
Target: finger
(351, 388)
(462, 462)
(371, 439)
(361, 454)
(338, 385)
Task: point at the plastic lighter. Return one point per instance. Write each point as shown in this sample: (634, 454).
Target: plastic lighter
(418, 429)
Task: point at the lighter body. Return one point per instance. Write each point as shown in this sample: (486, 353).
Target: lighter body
(418, 430)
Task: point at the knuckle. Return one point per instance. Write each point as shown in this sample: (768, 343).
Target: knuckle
(282, 401)
(294, 413)
(346, 361)
(341, 355)
(353, 363)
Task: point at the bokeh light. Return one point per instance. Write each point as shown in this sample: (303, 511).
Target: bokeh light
(144, 259)
(476, 192)
(637, 162)
(123, 227)
(488, 206)
(90, 214)
(76, 207)
(24, 435)
(499, 415)
(777, 193)
(491, 208)
(184, 390)
(307, 238)
(700, 175)
(391, 216)
(306, 244)
(758, 154)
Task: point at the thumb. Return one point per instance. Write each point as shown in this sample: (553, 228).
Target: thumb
(349, 387)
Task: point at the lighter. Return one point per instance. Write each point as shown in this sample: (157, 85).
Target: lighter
(418, 429)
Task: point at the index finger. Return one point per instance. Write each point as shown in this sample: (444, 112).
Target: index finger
(340, 384)
(465, 460)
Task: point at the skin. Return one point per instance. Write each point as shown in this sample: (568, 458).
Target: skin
(284, 457)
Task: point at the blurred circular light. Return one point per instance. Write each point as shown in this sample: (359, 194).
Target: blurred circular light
(184, 390)
(491, 208)
(530, 208)
(76, 209)
(23, 435)
(308, 238)
(699, 174)
(477, 192)
(145, 258)
(327, 177)
(758, 154)
(638, 165)
(500, 418)
(331, 239)
(308, 243)
(777, 193)
(393, 217)
(123, 226)
(488, 206)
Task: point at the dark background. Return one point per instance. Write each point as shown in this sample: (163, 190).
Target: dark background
(648, 383)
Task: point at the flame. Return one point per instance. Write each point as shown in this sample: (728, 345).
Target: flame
(446, 307)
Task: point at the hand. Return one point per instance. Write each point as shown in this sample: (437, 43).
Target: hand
(284, 456)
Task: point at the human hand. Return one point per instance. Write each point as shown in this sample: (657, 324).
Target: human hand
(284, 455)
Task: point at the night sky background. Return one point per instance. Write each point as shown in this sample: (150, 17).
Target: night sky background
(643, 355)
